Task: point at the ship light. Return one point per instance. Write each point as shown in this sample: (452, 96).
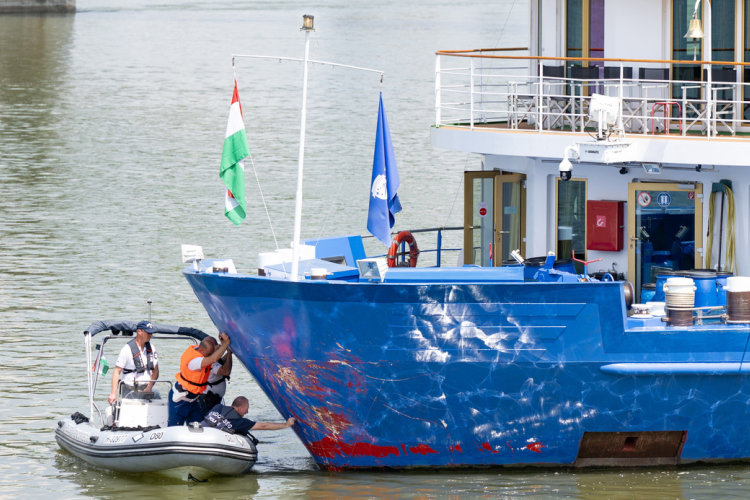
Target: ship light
(307, 23)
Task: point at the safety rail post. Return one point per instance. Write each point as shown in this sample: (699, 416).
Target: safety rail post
(471, 93)
(709, 102)
(437, 90)
(539, 102)
(439, 246)
(683, 115)
(621, 94)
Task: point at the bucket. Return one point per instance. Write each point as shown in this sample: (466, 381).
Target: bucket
(706, 293)
(648, 291)
(680, 299)
(318, 273)
(721, 284)
(661, 279)
(266, 259)
(738, 299)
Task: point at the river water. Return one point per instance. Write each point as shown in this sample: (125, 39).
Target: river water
(111, 128)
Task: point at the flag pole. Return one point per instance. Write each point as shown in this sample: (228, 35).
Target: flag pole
(307, 27)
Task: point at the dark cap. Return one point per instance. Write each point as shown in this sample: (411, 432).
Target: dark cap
(146, 327)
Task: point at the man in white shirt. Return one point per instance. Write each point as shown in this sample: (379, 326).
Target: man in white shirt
(138, 361)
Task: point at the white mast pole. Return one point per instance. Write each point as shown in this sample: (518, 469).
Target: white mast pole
(301, 160)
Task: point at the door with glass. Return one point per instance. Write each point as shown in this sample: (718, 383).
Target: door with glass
(494, 217)
(665, 227)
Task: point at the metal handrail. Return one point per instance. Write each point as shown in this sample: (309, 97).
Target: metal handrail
(470, 53)
(439, 249)
(518, 99)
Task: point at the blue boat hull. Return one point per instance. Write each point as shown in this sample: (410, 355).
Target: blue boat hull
(441, 375)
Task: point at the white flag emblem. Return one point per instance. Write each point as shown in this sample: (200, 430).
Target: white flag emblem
(380, 187)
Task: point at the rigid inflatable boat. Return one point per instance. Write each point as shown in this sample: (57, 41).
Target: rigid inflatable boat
(132, 434)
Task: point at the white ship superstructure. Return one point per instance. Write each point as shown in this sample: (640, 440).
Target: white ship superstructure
(678, 73)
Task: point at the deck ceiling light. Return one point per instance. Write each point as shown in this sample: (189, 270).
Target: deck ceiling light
(307, 23)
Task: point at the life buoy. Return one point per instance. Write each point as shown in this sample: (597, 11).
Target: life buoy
(403, 237)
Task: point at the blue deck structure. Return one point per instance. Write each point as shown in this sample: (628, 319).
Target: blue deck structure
(478, 372)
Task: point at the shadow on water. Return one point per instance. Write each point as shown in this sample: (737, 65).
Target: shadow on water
(34, 64)
(98, 483)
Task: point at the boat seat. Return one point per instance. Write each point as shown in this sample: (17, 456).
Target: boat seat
(142, 412)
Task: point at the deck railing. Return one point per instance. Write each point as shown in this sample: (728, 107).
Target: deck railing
(479, 89)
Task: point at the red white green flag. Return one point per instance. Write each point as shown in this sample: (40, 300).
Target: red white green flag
(232, 170)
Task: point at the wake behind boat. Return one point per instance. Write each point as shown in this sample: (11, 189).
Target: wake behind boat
(132, 434)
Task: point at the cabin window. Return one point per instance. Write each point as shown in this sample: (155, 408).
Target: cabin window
(584, 37)
(574, 28)
(723, 22)
(570, 229)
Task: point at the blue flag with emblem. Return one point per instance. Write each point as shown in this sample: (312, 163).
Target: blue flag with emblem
(384, 202)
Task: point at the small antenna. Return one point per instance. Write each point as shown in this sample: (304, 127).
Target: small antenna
(149, 309)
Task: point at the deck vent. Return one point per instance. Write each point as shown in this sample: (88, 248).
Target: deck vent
(630, 449)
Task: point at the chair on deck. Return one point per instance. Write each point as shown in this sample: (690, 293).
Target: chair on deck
(557, 105)
(724, 90)
(584, 75)
(637, 109)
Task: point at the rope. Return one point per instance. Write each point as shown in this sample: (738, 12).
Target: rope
(730, 257)
(79, 418)
(264, 201)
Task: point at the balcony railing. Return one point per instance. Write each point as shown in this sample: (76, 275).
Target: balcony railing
(479, 89)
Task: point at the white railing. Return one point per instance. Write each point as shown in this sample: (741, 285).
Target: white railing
(521, 92)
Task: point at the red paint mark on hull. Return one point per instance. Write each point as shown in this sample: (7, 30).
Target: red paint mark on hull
(456, 447)
(329, 448)
(535, 447)
(403, 446)
(422, 449)
(487, 447)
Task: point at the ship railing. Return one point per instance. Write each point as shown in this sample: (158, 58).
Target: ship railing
(545, 94)
(438, 250)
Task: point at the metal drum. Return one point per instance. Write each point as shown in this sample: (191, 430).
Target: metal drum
(566, 265)
(738, 299)
(721, 285)
(680, 299)
(706, 293)
(648, 290)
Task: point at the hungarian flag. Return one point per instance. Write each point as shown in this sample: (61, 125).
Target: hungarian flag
(232, 170)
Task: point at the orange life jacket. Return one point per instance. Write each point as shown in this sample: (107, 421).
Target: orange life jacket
(191, 380)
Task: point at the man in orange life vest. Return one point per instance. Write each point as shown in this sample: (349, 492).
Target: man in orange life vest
(195, 368)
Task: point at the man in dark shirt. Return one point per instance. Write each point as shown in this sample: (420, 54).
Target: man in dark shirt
(232, 418)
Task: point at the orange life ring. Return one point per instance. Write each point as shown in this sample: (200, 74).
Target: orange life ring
(403, 237)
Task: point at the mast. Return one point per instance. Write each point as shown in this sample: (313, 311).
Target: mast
(307, 27)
